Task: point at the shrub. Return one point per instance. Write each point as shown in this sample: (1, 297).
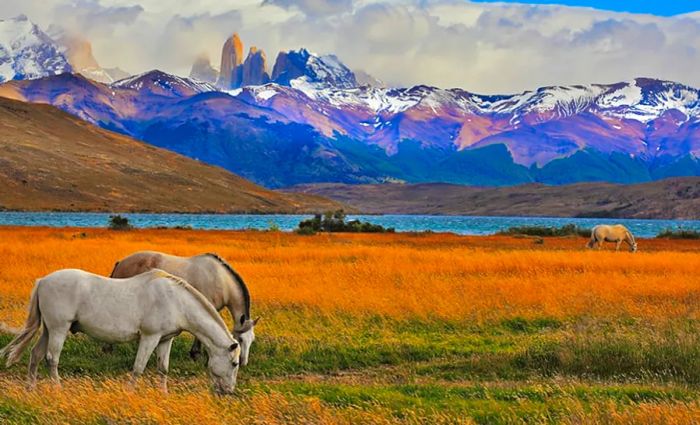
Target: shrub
(679, 233)
(117, 222)
(565, 230)
(334, 221)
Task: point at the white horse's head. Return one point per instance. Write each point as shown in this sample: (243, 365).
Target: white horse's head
(244, 333)
(223, 368)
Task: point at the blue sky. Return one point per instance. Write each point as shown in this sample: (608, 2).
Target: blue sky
(655, 7)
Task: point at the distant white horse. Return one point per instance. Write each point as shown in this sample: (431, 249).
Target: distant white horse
(616, 233)
(153, 307)
(209, 274)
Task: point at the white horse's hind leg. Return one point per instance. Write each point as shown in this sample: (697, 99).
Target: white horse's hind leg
(38, 353)
(57, 336)
(147, 344)
(163, 356)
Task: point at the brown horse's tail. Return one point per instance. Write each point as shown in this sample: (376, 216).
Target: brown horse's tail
(13, 350)
(114, 270)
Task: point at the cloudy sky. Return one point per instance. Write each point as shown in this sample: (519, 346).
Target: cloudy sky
(481, 46)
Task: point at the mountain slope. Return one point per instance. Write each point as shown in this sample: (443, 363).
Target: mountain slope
(54, 161)
(677, 198)
(279, 136)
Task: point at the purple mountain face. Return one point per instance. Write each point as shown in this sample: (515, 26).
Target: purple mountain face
(643, 118)
(314, 123)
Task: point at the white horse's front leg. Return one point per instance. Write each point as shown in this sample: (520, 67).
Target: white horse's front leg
(147, 344)
(163, 356)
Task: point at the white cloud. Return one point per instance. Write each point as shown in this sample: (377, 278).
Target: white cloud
(482, 47)
(314, 7)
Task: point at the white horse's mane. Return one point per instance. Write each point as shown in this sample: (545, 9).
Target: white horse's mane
(198, 295)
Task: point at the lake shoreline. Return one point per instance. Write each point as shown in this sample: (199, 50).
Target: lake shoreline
(465, 225)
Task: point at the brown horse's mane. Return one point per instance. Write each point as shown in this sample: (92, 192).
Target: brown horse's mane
(239, 281)
(198, 295)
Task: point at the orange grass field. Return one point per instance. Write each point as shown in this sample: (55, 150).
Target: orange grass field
(384, 328)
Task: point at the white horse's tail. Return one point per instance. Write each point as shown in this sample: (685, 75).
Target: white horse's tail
(14, 349)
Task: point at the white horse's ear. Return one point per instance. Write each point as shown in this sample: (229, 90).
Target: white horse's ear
(255, 322)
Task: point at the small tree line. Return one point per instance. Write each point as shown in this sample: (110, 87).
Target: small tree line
(335, 221)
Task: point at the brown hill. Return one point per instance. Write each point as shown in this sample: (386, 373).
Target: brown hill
(50, 160)
(677, 198)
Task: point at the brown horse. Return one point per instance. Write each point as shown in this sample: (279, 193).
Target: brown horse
(210, 275)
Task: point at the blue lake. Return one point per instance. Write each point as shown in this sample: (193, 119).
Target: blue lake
(465, 225)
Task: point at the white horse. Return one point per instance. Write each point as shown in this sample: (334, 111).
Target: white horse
(153, 307)
(210, 275)
(616, 233)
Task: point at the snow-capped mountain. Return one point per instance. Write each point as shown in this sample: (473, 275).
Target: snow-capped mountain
(27, 52)
(303, 69)
(280, 135)
(313, 122)
(163, 84)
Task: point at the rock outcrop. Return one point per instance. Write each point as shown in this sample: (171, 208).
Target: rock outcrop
(254, 70)
(203, 71)
(78, 51)
(289, 65)
(231, 61)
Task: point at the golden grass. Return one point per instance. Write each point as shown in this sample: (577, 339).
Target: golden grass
(398, 276)
(113, 401)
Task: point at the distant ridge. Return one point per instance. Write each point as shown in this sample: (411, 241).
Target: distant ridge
(676, 198)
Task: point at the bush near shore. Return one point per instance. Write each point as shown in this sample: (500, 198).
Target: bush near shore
(679, 233)
(565, 230)
(334, 222)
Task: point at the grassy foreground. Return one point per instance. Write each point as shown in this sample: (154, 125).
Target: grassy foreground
(392, 328)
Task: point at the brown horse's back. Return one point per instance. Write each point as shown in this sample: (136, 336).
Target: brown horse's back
(137, 263)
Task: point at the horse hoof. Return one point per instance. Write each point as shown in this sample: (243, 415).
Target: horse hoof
(107, 349)
(194, 355)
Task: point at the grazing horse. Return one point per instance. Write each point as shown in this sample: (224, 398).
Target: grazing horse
(210, 275)
(153, 308)
(617, 233)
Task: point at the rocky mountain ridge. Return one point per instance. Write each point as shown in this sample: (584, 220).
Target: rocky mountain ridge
(317, 124)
